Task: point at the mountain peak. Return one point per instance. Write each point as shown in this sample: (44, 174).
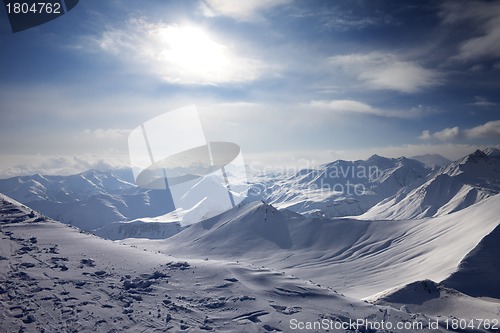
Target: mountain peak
(476, 165)
(432, 160)
(406, 160)
(259, 206)
(377, 159)
(479, 152)
(475, 157)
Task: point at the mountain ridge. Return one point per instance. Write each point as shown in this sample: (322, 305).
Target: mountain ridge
(336, 252)
(458, 185)
(377, 188)
(433, 161)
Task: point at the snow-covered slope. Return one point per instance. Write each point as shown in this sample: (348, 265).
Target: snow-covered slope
(102, 209)
(340, 188)
(389, 188)
(356, 257)
(94, 199)
(54, 278)
(88, 200)
(479, 272)
(63, 188)
(255, 227)
(454, 187)
(434, 299)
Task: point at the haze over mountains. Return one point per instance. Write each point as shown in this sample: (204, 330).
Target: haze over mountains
(430, 257)
(377, 188)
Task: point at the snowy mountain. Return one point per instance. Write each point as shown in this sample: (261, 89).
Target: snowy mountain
(478, 273)
(55, 278)
(64, 188)
(246, 269)
(355, 257)
(435, 299)
(88, 200)
(432, 161)
(378, 188)
(340, 188)
(452, 188)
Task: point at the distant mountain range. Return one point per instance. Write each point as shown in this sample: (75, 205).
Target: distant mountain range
(420, 246)
(432, 160)
(111, 205)
(361, 258)
(340, 188)
(88, 200)
(451, 188)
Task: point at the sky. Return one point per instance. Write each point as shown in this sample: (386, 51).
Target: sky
(292, 82)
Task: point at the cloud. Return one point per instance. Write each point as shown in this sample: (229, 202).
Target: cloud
(178, 54)
(339, 19)
(344, 21)
(482, 101)
(19, 165)
(107, 134)
(426, 135)
(16, 165)
(386, 71)
(451, 151)
(485, 20)
(477, 68)
(247, 10)
(490, 129)
(345, 105)
(352, 106)
(294, 160)
(448, 134)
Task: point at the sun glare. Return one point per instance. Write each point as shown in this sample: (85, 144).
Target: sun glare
(192, 50)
